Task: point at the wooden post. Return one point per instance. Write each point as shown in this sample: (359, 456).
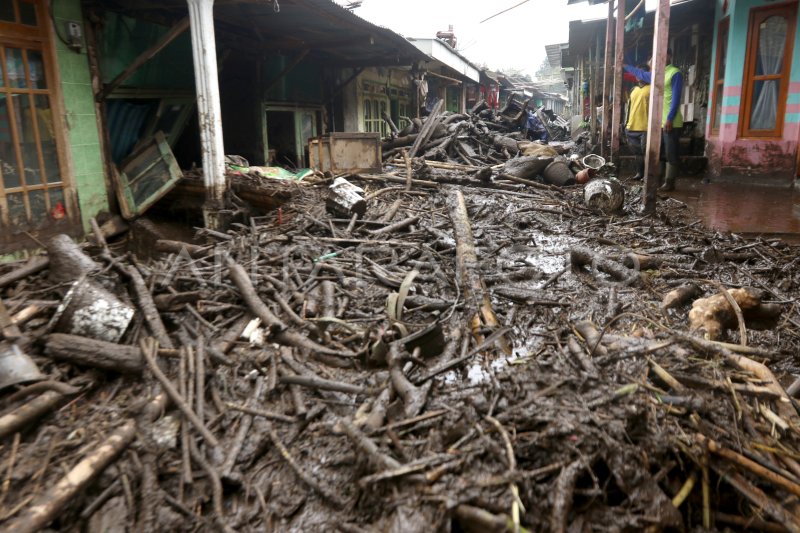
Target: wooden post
(607, 69)
(209, 110)
(618, 60)
(593, 92)
(659, 62)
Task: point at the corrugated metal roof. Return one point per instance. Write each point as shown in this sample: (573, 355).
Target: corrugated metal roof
(554, 54)
(334, 34)
(582, 33)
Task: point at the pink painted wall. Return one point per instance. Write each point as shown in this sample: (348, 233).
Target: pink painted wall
(769, 161)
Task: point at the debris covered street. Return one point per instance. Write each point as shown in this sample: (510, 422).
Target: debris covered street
(404, 293)
(459, 357)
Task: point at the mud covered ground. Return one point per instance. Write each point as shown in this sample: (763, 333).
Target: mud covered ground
(379, 402)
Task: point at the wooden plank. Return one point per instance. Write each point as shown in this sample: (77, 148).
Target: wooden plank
(593, 91)
(468, 276)
(427, 129)
(144, 57)
(619, 52)
(607, 71)
(659, 62)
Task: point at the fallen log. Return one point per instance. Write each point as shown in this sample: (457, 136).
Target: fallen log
(680, 295)
(279, 329)
(425, 133)
(12, 422)
(526, 167)
(48, 505)
(67, 260)
(178, 247)
(476, 295)
(167, 302)
(397, 179)
(97, 354)
(713, 315)
(8, 327)
(148, 307)
(580, 257)
(36, 264)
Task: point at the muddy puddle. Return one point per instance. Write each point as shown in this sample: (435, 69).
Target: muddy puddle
(746, 209)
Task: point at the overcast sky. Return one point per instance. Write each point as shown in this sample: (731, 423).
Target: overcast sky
(515, 39)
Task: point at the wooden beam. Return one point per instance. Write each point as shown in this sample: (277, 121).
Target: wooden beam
(658, 64)
(593, 75)
(619, 53)
(144, 57)
(286, 70)
(335, 92)
(441, 76)
(607, 70)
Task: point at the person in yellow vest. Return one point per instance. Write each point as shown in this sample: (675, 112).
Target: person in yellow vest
(671, 120)
(636, 126)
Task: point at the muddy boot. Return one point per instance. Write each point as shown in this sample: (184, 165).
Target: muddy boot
(669, 178)
(639, 169)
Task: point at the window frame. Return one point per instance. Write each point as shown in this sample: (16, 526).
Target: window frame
(38, 38)
(723, 31)
(375, 123)
(757, 16)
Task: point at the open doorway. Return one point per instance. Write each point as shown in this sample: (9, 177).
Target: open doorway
(288, 130)
(281, 137)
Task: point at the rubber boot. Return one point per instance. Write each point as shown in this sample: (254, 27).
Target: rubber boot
(669, 178)
(639, 169)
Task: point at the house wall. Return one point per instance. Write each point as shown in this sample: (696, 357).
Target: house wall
(374, 82)
(86, 157)
(769, 161)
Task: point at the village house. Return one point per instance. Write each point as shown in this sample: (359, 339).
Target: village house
(753, 122)
(87, 85)
(690, 38)
(741, 98)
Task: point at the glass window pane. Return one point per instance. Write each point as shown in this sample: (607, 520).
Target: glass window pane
(7, 11)
(718, 108)
(36, 69)
(39, 211)
(58, 209)
(723, 52)
(16, 209)
(23, 116)
(764, 112)
(15, 68)
(27, 13)
(771, 45)
(8, 159)
(44, 116)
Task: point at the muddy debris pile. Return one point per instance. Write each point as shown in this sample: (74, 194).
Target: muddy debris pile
(515, 143)
(449, 359)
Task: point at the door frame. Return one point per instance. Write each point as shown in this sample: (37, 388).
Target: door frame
(296, 109)
(42, 37)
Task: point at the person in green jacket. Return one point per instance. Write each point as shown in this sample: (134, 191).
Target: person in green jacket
(672, 120)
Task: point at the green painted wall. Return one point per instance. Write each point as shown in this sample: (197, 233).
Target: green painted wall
(83, 136)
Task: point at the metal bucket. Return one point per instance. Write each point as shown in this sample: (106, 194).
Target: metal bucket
(16, 367)
(593, 161)
(604, 195)
(91, 311)
(558, 173)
